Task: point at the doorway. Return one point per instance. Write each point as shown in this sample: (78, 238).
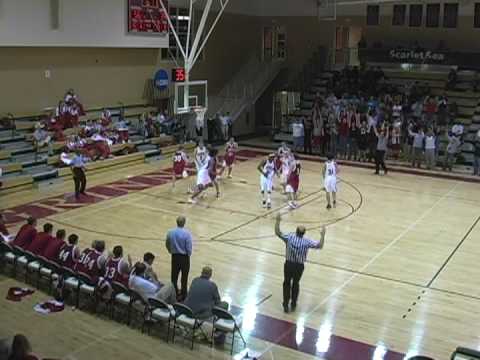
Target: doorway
(346, 45)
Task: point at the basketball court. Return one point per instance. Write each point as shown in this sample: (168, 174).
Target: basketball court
(395, 275)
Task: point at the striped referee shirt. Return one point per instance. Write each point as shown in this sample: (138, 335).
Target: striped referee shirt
(297, 247)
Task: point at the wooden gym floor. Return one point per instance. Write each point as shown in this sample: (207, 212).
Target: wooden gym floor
(398, 274)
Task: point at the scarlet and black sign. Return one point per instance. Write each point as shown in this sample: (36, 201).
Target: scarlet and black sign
(147, 16)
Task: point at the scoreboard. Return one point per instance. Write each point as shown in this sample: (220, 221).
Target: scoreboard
(147, 17)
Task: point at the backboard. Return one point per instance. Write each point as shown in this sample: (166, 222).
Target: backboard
(191, 95)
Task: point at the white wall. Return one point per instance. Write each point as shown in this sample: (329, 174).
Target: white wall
(83, 23)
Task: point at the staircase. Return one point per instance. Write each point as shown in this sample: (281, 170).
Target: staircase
(244, 89)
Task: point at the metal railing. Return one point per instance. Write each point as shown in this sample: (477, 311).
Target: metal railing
(245, 87)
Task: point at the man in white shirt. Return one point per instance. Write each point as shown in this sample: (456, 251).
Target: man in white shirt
(148, 289)
(298, 134)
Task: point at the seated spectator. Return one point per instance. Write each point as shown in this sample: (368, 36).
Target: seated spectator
(452, 79)
(53, 248)
(203, 295)
(4, 234)
(41, 138)
(7, 122)
(21, 349)
(106, 118)
(26, 234)
(92, 260)
(121, 128)
(41, 241)
(149, 289)
(69, 253)
(150, 274)
(457, 129)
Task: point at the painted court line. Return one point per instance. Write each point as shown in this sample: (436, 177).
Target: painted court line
(370, 262)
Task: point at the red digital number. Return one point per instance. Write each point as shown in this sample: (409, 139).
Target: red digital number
(178, 75)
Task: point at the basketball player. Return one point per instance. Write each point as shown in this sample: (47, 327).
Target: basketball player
(267, 171)
(180, 160)
(230, 155)
(206, 171)
(286, 159)
(330, 170)
(200, 159)
(293, 183)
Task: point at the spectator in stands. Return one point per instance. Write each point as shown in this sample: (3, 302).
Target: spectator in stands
(70, 253)
(7, 122)
(53, 248)
(41, 241)
(476, 154)
(26, 234)
(298, 133)
(430, 152)
(106, 118)
(148, 289)
(382, 140)
(452, 79)
(343, 134)
(203, 295)
(308, 127)
(21, 349)
(354, 133)
(418, 145)
(363, 141)
(453, 147)
(41, 138)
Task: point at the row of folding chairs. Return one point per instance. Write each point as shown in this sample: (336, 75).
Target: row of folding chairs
(152, 311)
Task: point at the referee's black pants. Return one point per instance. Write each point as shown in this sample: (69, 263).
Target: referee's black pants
(80, 180)
(180, 263)
(292, 272)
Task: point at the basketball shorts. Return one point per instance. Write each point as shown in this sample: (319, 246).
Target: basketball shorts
(266, 184)
(330, 184)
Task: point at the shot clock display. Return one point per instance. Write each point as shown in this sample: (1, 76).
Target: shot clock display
(178, 75)
(147, 17)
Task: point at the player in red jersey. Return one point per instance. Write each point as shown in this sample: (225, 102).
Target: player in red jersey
(230, 156)
(180, 160)
(293, 183)
(70, 253)
(92, 260)
(117, 269)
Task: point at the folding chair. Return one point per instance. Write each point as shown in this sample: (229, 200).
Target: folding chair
(161, 311)
(70, 282)
(30, 261)
(120, 295)
(184, 318)
(86, 285)
(8, 256)
(138, 304)
(226, 322)
(52, 271)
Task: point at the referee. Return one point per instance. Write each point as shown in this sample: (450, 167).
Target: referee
(78, 171)
(296, 254)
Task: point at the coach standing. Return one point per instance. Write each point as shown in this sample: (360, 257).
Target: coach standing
(179, 245)
(297, 246)
(78, 171)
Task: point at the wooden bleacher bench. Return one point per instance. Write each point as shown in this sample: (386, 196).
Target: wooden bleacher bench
(170, 150)
(162, 141)
(103, 165)
(5, 155)
(122, 148)
(15, 184)
(11, 168)
(24, 125)
(56, 147)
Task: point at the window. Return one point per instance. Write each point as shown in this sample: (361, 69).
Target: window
(416, 15)
(373, 15)
(433, 15)
(450, 15)
(476, 19)
(399, 14)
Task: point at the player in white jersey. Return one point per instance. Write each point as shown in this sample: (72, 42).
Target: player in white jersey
(267, 171)
(206, 176)
(200, 157)
(330, 170)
